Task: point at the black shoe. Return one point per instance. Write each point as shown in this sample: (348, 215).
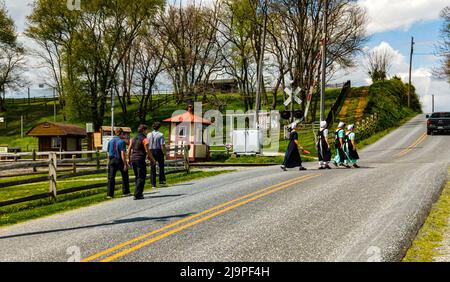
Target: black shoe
(302, 168)
(356, 166)
(283, 168)
(138, 198)
(126, 195)
(347, 166)
(328, 167)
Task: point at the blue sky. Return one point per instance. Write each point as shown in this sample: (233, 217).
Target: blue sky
(391, 25)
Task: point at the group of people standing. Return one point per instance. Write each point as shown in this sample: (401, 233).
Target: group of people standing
(344, 143)
(145, 146)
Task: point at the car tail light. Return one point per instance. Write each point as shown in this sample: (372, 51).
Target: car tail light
(429, 122)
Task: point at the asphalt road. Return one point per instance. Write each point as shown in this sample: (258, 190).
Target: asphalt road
(263, 214)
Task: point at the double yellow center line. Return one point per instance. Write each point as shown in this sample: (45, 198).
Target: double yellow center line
(414, 145)
(147, 239)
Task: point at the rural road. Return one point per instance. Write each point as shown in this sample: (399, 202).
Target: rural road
(262, 214)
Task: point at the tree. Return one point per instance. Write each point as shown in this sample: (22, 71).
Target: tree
(52, 26)
(94, 43)
(443, 49)
(302, 22)
(379, 63)
(237, 30)
(11, 56)
(192, 55)
(150, 53)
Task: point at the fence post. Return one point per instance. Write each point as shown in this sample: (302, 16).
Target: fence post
(97, 159)
(186, 158)
(52, 167)
(34, 159)
(74, 164)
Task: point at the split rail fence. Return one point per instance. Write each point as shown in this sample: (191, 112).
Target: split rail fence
(57, 168)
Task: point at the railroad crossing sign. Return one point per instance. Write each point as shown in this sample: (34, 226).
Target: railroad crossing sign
(292, 96)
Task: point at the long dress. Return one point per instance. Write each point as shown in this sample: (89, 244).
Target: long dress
(324, 152)
(292, 157)
(350, 152)
(340, 154)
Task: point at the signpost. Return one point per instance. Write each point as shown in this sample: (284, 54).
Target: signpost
(293, 96)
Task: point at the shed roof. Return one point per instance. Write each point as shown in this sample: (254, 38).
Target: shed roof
(188, 116)
(56, 129)
(125, 129)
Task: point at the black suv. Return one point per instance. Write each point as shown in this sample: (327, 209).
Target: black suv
(438, 122)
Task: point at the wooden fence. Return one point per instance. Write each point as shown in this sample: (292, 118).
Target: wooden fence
(72, 169)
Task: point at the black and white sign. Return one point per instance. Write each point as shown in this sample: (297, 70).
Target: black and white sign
(292, 96)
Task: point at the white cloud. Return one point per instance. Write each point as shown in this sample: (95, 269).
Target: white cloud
(386, 15)
(422, 78)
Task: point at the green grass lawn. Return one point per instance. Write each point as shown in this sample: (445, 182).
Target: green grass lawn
(34, 209)
(430, 237)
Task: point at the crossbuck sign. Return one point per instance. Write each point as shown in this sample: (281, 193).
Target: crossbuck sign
(292, 96)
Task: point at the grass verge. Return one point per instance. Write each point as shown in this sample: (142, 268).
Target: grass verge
(430, 237)
(35, 209)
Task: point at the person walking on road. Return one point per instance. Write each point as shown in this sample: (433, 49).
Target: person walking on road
(292, 157)
(350, 148)
(323, 147)
(117, 162)
(339, 145)
(156, 145)
(138, 153)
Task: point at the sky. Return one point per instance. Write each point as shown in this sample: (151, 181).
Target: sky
(391, 25)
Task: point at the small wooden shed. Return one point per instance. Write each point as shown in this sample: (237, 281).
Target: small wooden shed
(187, 129)
(58, 137)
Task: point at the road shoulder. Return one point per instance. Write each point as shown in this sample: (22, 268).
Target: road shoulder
(432, 243)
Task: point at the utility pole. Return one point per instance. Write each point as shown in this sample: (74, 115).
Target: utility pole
(260, 78)
(410, 70)
(54, 104)
(28, 96)
(21, 126)
(324, 61)
(112, 113)
(432, 103)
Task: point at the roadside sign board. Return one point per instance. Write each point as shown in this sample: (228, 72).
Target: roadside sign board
(105, 141)
(2, 119)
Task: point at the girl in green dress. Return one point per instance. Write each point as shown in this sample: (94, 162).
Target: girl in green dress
(351, 153)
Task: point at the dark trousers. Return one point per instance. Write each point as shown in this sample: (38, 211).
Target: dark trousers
(159, 157)
(114, 166)
(140, 171)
